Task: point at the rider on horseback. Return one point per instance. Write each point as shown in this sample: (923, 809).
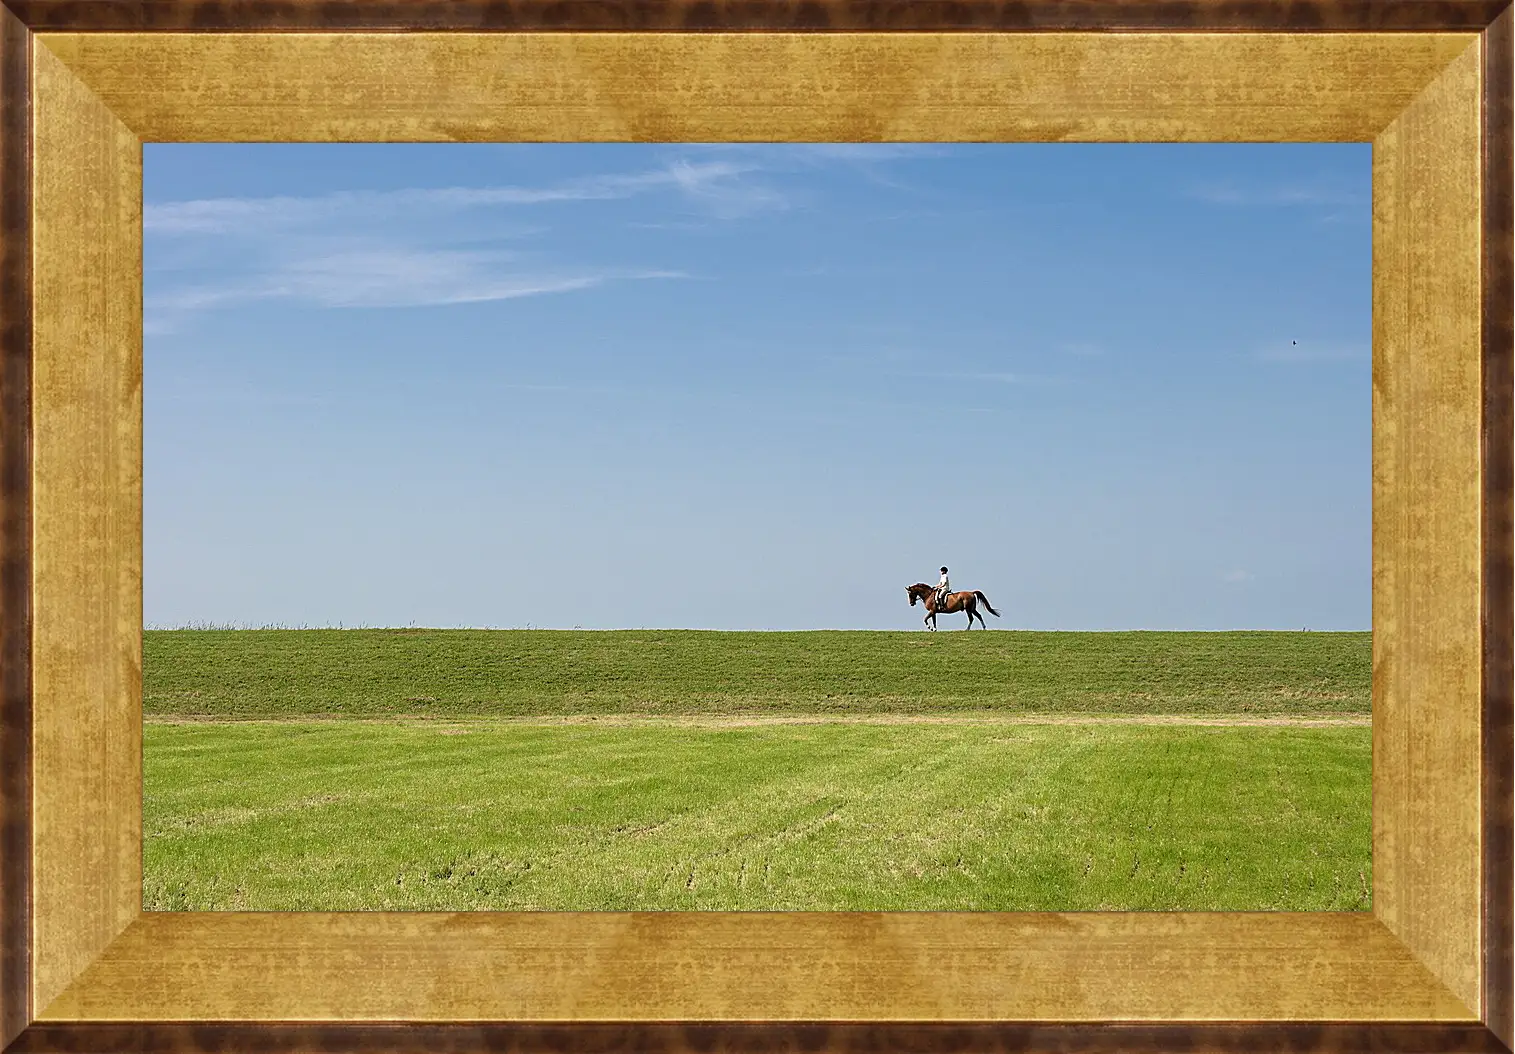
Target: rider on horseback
(943, 590)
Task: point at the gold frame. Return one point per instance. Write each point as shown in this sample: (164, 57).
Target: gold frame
(1425, 954)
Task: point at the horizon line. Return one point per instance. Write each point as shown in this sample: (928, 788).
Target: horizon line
(271, 627)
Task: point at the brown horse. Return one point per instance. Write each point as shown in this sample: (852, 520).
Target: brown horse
(968, 601)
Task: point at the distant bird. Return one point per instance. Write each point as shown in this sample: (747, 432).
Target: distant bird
(1293, 342)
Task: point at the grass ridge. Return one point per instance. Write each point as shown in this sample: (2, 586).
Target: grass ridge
(266, 673)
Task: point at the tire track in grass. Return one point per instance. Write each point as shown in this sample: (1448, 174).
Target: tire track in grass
(790, 834)
(747, 823)
(778, 797)
(579, 854)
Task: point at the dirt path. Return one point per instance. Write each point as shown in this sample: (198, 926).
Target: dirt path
(746, 720)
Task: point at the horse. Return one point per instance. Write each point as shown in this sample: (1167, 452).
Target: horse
(967, 601)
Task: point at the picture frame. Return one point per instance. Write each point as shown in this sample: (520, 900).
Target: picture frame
(86, 83)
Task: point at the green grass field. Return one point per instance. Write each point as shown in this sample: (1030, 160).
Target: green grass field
(517, 770)
(293, 673)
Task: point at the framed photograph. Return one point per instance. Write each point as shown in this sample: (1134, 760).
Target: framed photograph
(87, 84)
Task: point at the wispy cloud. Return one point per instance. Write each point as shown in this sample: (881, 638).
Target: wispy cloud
(379, 278)
(1312, 351)
(718, 183)
(789, 155)
(871, 153)
(1300, 194)
(875, 163)
(406, 247)
(421, 277)
(396, 248)
(1237, 576)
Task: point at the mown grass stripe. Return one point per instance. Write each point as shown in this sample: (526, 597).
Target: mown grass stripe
(836, 816)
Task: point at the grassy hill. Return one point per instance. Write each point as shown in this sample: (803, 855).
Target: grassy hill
(461, 673)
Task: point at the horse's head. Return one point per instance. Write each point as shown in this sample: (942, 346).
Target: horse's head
(919, 591)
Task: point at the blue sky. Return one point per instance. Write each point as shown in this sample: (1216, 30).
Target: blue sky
(757, 387)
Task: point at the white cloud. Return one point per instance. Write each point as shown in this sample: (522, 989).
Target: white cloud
(723, 196)
(715, 182)
(1237, 576)
(873, 162)
(381, 277)
(395, 248)
(419, 277)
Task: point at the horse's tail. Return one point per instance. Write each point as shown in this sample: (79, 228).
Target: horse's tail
(985, 601)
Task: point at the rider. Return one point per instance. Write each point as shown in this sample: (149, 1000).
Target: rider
(943, 589)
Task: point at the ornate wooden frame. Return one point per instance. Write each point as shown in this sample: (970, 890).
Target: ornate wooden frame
(85, 83)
